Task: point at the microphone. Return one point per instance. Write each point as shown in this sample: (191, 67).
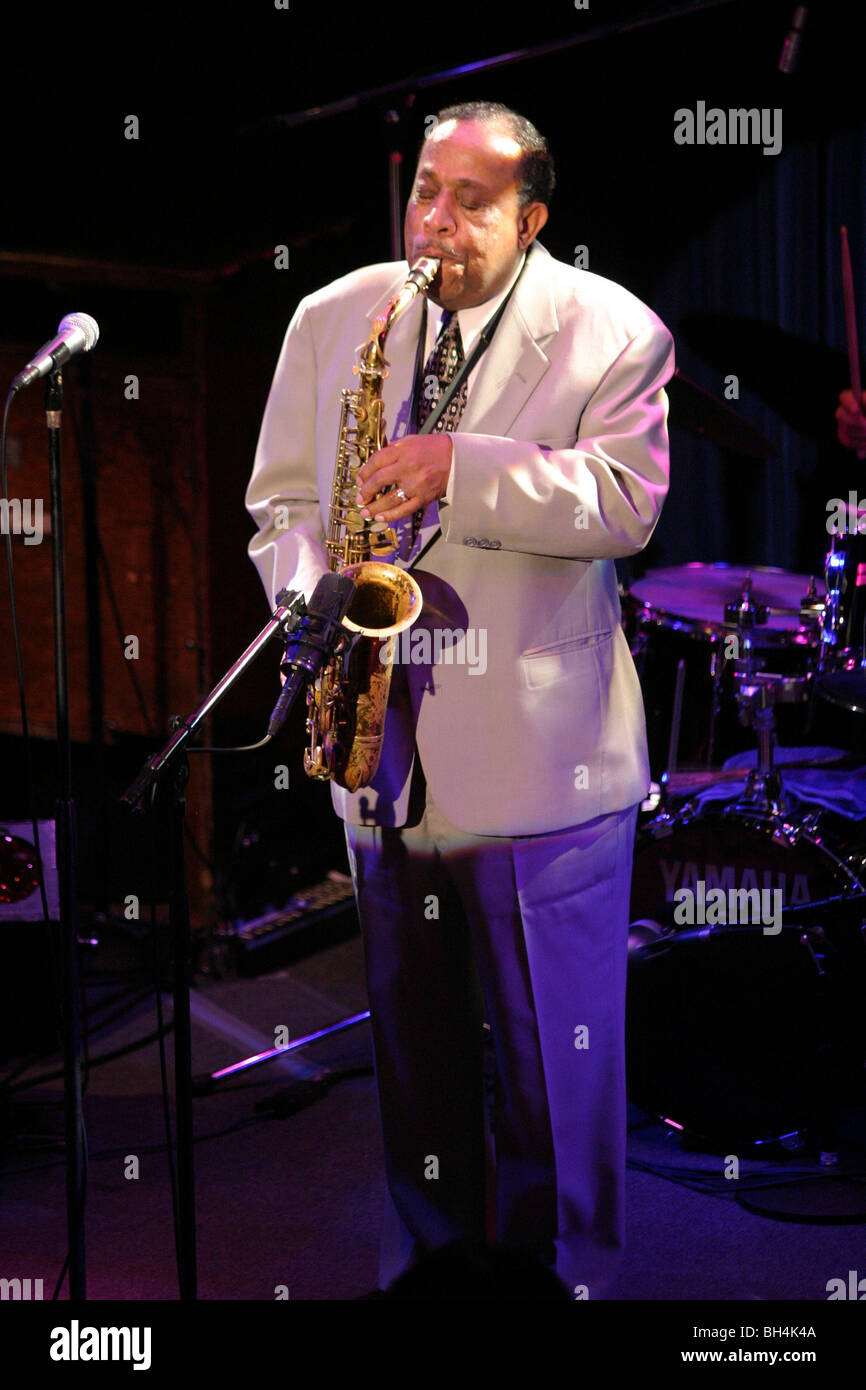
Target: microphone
(77, 333)
(791, 47)
(313, 642)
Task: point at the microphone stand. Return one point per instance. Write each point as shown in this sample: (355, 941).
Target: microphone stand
(167, 765)
(64, 822)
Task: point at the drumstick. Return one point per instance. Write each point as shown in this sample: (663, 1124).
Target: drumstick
(698, 779)
(851, 326)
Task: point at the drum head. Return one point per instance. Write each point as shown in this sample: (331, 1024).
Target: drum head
(736, 1034)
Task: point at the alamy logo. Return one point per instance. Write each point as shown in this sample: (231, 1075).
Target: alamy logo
(737, 126)
(855, 1288)
(22, 1290)
(847, 520)
(76, 1343)
(442, 647)
(729, 907)
(680, 873)
(22, 516)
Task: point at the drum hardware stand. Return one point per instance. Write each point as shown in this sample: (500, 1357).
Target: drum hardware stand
(666, 789)
(674, 742)
(763, 782)
(755, 693)
(717, 671)
(831, 615)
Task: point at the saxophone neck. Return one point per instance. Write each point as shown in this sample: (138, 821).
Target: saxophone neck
(420, 277)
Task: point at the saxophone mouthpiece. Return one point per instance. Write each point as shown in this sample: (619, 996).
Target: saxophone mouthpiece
(424, 271)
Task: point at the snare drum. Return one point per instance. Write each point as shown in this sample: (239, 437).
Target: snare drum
(679, 614)
(737, 1031)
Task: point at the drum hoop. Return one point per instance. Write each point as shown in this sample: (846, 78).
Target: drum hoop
(851, 707)
(762, 637)
(772, 826)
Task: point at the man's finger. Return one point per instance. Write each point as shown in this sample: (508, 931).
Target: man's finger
(383, 458)
(378, 486)
(397, 513)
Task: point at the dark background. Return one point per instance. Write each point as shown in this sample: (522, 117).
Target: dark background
(737, 251)
(217, 179)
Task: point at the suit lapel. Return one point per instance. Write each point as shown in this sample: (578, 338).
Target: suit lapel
(509, 371)
(515, 362)
(507, 374)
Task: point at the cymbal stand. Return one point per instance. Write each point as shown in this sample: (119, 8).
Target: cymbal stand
(756, 693)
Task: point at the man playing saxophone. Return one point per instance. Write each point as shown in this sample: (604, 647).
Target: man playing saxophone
(491, 852)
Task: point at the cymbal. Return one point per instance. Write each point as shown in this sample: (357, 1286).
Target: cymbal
(700, 592)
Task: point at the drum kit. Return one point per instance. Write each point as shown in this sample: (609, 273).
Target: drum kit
(747, 951)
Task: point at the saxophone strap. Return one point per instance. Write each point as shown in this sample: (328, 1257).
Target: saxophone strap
(481, 345)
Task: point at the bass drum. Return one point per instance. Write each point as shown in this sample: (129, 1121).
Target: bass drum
(739, 1032)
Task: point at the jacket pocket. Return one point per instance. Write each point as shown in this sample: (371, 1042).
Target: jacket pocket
(559, 660)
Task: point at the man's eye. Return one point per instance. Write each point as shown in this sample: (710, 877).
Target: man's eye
(423, 195)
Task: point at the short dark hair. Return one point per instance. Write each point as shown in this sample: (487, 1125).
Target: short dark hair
(537, 178)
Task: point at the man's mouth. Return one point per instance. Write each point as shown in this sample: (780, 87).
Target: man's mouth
(438, 253)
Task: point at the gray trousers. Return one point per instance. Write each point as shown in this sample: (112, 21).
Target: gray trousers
(531, 935)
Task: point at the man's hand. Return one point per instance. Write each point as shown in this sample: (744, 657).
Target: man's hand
(419, 465)
(852, 422)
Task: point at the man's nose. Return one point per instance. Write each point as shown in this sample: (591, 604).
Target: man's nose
(440, 217)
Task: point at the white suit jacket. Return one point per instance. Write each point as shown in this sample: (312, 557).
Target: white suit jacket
(532, 721)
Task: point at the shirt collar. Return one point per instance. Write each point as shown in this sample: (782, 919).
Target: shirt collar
(471, 321)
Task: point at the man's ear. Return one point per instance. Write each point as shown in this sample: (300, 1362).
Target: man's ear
(532, 219)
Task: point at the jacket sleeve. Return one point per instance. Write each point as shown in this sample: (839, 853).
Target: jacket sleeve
(282, 496)
(598, 495)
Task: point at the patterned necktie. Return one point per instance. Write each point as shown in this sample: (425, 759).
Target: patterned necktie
(441, 367)
(439, 371)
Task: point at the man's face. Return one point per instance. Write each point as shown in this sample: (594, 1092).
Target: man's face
(464, 209)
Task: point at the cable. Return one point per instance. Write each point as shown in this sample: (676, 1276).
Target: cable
(717, 1185)
(24, 1064)
(276, 1107)
(99, 1061)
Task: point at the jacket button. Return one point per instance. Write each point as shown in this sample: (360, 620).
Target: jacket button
(496, 545)
(470, 540)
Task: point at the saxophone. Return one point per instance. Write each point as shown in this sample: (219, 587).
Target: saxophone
(346, 705)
